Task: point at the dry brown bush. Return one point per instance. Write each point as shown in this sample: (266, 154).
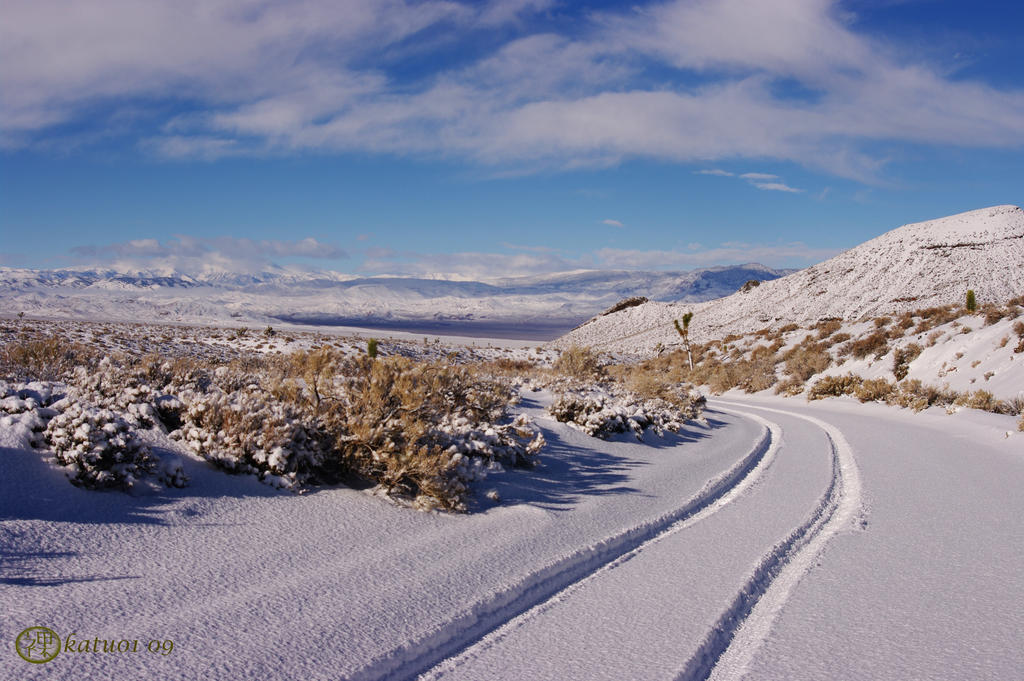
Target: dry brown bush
(833, 386)
(505, 366)
(806, 360)
(936, 316)
(916, 395)
(789, 387)
(839, 338)
(578, 362)
(827, 327)
(873, 390)
(876, 344)
(901, 359)
(984, 400)
(43, 359)
(995, 313)
(393, 421)
(760, 372)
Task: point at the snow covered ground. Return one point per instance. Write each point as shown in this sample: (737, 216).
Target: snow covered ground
(536, 307)
(782, 540)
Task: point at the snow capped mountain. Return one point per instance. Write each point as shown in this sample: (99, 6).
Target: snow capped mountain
(915, 266)
(546, 304)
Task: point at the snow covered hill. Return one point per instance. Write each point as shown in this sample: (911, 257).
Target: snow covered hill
(542, 305)
(912, 267)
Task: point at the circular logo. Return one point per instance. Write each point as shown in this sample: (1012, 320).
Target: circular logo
(37, 645)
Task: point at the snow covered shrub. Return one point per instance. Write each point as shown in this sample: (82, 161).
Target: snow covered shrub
(247, 431)
(601, 411)
(98, 447)
(873, 389)
(833, 386)
(578, 362)
(118, 388)
(901, 359)
(25, 409)
(1020, 424)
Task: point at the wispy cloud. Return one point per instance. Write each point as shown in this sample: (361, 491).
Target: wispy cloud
(469, 265)
(776, 255)
(777, 187)
(763, 181)
(612, 223)
(325, 75)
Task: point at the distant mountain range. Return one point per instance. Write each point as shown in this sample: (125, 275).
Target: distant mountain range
(915, 266)
(538, 307)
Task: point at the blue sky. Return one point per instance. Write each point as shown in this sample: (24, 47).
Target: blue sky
(496, 138)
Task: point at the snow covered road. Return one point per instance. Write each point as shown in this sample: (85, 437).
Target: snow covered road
(782, 541)
(934, 586)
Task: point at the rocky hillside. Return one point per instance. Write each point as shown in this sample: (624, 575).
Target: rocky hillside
(912, 267)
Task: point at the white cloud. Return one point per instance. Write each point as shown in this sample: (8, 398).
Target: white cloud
(764, 181)
(613, 223)
(469, 265)
(777, 187)
(314, 75)
(193, 255)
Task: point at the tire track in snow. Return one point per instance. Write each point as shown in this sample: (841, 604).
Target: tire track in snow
(729, 647)
(508, 628)
(489, 620)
